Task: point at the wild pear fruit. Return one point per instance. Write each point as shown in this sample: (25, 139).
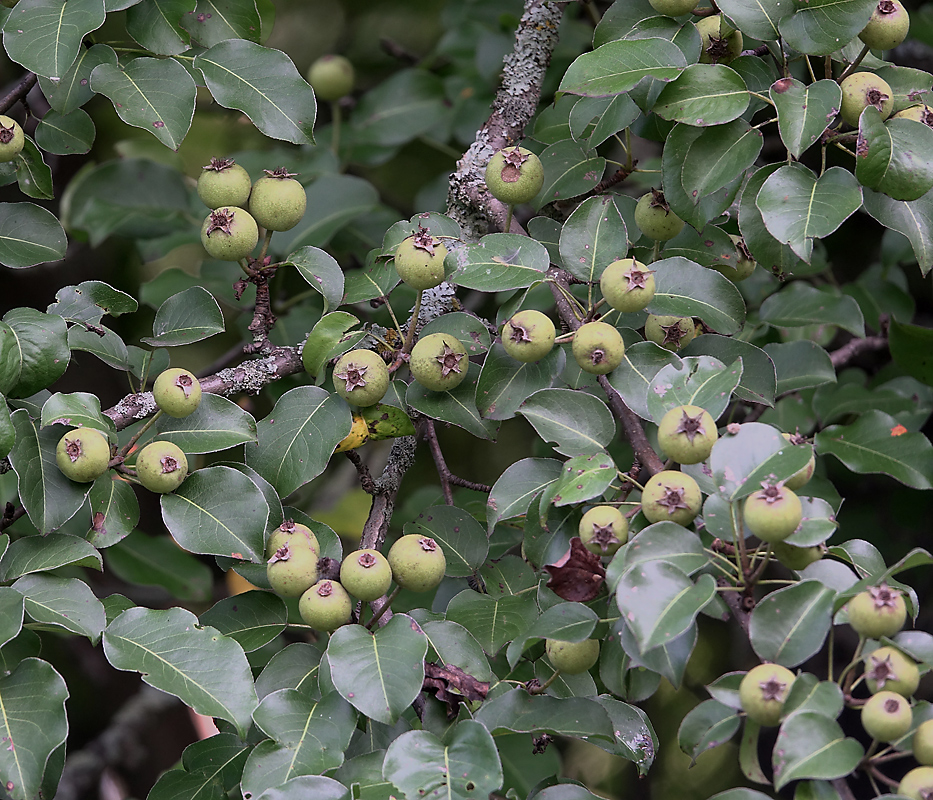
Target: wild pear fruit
(83, 454)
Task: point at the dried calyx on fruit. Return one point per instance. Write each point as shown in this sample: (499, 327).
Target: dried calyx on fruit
(223, 182)
(603, 530)
(861, 90)
(177, 392)
(161, 467)
(293, 566)
(878, 611)
(514, 175)
(889, 669)
(419, 260)
(418, 563)
(325, 606)
(229, 234)
(278, 201)
(83, 454)
(671, 333)
(773, 513)
(720, 42)
(887, 27)
(673, 496)
(12, 138)
(886, 716)
(439, 362)
(628, 285)
(654, 217)
(687, 434)
(598, 348)
(763, 692)
(528, 335)
(361, 377)
(366, 574)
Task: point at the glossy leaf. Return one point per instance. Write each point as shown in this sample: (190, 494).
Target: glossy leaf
(766, 249)
(758, 452)
(156, 25)
(458, 407)
(459, 534)
(579, 424)
(455, 645)
(29, 235)
(616, 67)
(316, 786)
(892, 156)
(914, 220)
(33, 723)
(45, 553)
(911, 347)
(73, 89)
(158, 561)
(322, 273)
(706, 726)
(876, 442)
(379, 673)
(11, 614)
(809, 693)
(517, 486)
(45, 35)
(326, 334)
(661, 541)
(155, 94)
(77, 410)
(293, 667)
(399, 109)
(715, 157)
(632, 379)
(50, 499)
(758, 381)
(62, 603)
(520, 712)
(206, 670)
(659, 602)
(698, 380)
(32, 173)
(790, 625)
(216, 424)
(570, 170)
(297, 439)
(493, 621)
(801, 304)
(504, 383)
(498, 262)
(114, 511)
(822, 26)
(215, 21)
(262, 83)
(464, 765)
(810, 745)
(797, 207)
(89, 301)
(760, 19)
(592, 238)
(568, 622)
(685, 289)
(800, 365)
(582, 478)
(703, 95)
(804, 112)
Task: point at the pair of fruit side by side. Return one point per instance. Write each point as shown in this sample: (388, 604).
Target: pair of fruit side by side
(239, 207)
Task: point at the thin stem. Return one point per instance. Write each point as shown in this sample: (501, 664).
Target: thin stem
(443, 472)
(541, 688)
(135, 438)
(831, 648)
(336, 116)
(656, 250)
(854, 65)
(265, 245)
(763, 97)
(508, 218)
(412, 324)
(810, 68)
(383, 608)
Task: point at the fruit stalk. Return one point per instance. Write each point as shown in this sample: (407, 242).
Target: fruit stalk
(383, 608)
(122, 453)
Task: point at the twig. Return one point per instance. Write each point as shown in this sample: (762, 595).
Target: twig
(19, 91)
(10, 514)
(856, 347)
(456, 480)
(443, 472)
(263, 318)
(366, 478)
(401, 457)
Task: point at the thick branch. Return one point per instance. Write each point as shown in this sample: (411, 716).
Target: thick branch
(401, 457)
(516, 102)
(19, 91)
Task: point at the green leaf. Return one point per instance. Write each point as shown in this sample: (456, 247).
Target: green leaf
(11, 359)
(914, 220)
(797, 207)
(215, 21)
(800, 364)
(32, 173)
(114, 512)
(395, 111)
(698, 380)
(876, 442)
(582, 478)
(457, 407)
(73, 89)
(517, 486)
(760, 19)
(659, 602)
(804, 112)
(570, 170)
(213, 765)
(66, 135)
(379, 673)
(685, 289)
(504, 383)
(498, 262)
(800, 304)
(757, 452)
(615, 67)
(294, 667)
(633, 377)
(459, 534)
(189, 316)
(317, 786)
(216, 424)
(711, 246)
(758, 381)
(809, 693)
(579, 424)
(154, 94)
(322, 272)
(492, 620)
(568, 622)
(463, 765)
(262, 83)
(63, 603)
(218, 511)
(45, 35)
(326, 334)
(706, 726)
(892, 156)
(520, 712)
(911, 348)
(156, 25)
(157, 561)
(89, 301)
(77, 410)
(767, 250)
(204, 669)
(33, 724)
(45, 553)
(50, 499)
(41, 341)
(11, 613)
(822, 26)
(109, 348)
(703, 95)
(592, 237)
(297, 439)
(29, 235)
(790, 625)
(810, 745)
(662, 541)
(455, 645)
(471, 331)
(310, 736)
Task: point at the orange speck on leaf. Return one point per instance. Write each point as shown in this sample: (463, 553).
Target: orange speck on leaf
(898, 430)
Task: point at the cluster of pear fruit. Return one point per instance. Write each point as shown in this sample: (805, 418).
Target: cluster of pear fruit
(84, 454)
(891, 676)
(415, 562)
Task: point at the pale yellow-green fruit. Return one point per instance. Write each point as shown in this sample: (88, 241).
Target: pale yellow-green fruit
(763, 692)
(603, 530)
(285, 531)
(598, 347)
(802, 476)
(720, 42)
(773, 513)
(917, 784)
(671, 496)
(687, 434)
(161, 467)
(439, 362)
(277, 201)
(331, 77)
(326, 606)
(528, 335)
(223, 182)
(418, 562)
(229, 234)
(572, 658)
(922, 743)
(419, 260)
(514, 175)
(361, 377)
(292, 567)
(83, 454)
(888, 669)
(670, 332)
(177, 392)
(12, 138)
(366, 574)
(878, 611)
(886, 716)
(628, 285)
(861, 90)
